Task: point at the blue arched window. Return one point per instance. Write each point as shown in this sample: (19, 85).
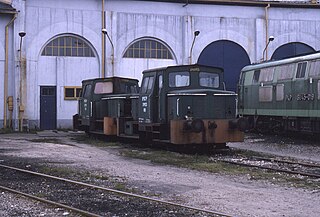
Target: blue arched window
(148, 48)
(70, 46)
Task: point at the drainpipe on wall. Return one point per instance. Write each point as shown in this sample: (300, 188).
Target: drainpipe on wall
(103, 62)
(6, 69)
(267, 28)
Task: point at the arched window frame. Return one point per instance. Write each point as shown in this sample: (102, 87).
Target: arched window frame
(148, 48)
(68, 45)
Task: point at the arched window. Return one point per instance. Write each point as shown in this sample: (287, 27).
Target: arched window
(69, 46)
(148, 48)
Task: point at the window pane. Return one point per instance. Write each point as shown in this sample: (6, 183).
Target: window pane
(179, 79)
(68, 41)
(150, 84)
(67, 46)
(55, 51)
(68, 51)
(74, 52)
(55, 42)
(266, 74)
(69, 92)
(256, 76)
(209, 79)
(314, 68)
(103, 87)
(87, 90)
(148, 48)
(78, 91)
(301, 70)
(144, 85)
(61, 52)
(61, 41)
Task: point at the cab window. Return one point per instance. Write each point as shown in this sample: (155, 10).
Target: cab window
(147, 84)
(209, 79)
(179, 79)
(87, 90)
(301, 70)
(256, 76)
(103, 87)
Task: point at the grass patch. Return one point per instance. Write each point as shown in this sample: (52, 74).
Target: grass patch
(6, 130)
(208, 164)
(194, 162)
(94, 141)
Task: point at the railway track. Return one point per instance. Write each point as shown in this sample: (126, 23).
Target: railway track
(20, 178)
(285, 166)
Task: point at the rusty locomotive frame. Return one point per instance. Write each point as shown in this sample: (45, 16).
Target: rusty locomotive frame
(177, 105)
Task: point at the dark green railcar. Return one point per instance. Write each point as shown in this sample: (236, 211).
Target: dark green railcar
(105, 98)
(176, 104)
(282, 95)
(187, 105)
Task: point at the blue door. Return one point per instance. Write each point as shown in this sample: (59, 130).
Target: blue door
(48, 108)
(227, 55)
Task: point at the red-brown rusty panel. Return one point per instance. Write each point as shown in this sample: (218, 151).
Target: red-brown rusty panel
(220, 134)
(109, 126)
(179, 136)
(223, 133)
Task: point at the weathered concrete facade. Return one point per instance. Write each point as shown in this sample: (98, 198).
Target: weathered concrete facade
(173, 24)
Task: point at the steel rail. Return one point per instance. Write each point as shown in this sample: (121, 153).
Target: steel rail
(274, 169)
(288, 162)
(118, 192)
(82, 212)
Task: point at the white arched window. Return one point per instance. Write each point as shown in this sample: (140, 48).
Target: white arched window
(68, 45)
(148, 48)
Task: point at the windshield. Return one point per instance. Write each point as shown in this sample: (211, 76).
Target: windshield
(179, 79)
(103, 87)
(209, 79)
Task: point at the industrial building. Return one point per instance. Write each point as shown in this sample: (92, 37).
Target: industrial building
(47, 47)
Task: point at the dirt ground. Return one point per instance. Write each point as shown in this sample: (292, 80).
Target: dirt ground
(235, 195)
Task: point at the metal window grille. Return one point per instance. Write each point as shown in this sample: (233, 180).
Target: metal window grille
(148, 48)
(69, 46)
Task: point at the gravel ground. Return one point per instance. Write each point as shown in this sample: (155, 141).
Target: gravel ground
(236, 195)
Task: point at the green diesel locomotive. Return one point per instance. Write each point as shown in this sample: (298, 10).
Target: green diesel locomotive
(282, 95)
(178, 105)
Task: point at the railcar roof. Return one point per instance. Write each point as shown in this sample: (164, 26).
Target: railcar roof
(110, 78)
(179, 66)
(282, 62)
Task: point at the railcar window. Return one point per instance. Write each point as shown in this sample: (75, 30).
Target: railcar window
(103, 87)
(256, 76)
(87, 91)
(147, 84)
(132, 88)
(301, 70)
(285, 72)
(209, 79)
(280, 92)
(314, 68)
(266, 74)
(318, 90)
(160, 82)
(179, 79)
(265, 94)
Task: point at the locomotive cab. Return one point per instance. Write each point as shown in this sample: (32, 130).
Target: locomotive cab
(187, 104)
(93, 106)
